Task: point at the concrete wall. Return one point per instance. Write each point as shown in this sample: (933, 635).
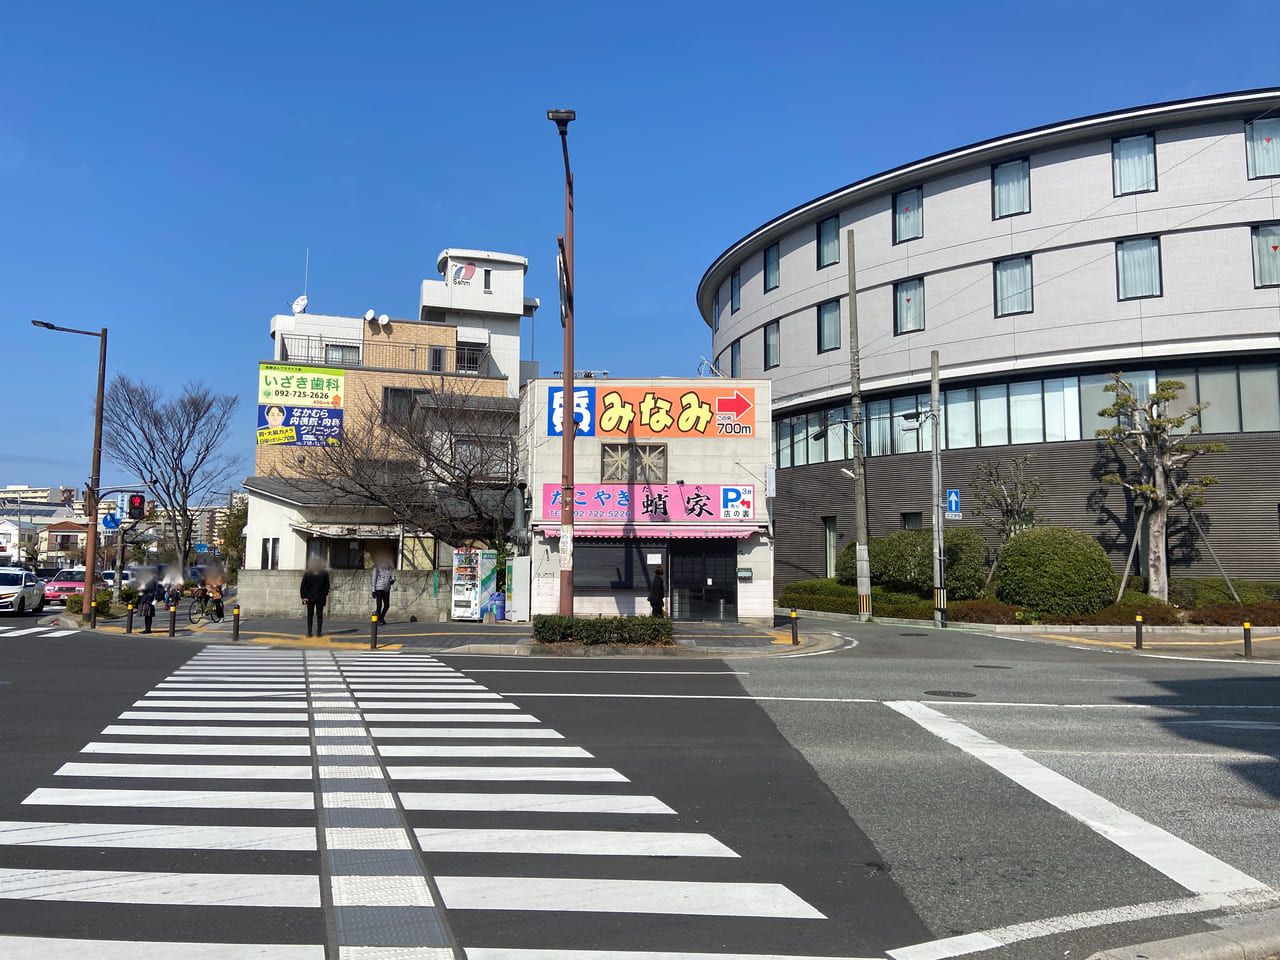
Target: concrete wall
(274, 593)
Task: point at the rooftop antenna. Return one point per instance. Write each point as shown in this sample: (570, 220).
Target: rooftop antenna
(300, 305)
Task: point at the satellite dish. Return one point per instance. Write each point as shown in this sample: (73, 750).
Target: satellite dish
(383, 320)
(300, 305)
(368, 314)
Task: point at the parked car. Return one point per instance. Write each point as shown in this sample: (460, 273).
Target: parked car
(126, 577)
(65, 583)
(20, 591)
(46, 573)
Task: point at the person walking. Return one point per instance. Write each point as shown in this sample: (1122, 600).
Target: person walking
(383, 577)
(147, 603)
(657, 592)
(314, 591)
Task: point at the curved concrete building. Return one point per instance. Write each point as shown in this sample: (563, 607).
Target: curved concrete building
(1143, 240)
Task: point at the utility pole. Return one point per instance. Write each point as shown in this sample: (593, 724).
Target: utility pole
(568, 423)
(859, 464)
(939, 558)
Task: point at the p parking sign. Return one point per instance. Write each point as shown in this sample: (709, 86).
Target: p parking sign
(737, 503)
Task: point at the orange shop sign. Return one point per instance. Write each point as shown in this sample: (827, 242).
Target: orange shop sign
(674, 411)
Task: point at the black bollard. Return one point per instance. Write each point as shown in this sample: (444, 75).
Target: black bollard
(795, 631)
(173, 620)
(373, 632)
(1137, 626)
(128, 624)
(235, 623)
(1248, 640)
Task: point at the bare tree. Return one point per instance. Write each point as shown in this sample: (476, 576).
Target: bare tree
(174, 447)
(1006, 496)
(1159, 445)
(440, 458)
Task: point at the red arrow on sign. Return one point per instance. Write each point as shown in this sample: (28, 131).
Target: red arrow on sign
(737, 404)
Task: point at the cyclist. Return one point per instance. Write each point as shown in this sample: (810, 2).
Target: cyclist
(213, 590)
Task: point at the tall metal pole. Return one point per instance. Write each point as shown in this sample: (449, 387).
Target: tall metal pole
(939, 560)
(568, 424)
(863, 558)
(91, 495)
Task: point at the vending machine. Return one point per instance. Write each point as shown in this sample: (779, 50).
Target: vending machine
(474, 583)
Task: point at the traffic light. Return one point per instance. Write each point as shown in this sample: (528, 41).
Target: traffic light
(137, 506)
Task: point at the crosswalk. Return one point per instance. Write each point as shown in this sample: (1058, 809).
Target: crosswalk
(300, 805)
(35, 633)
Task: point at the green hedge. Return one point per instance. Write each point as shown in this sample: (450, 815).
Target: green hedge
(75, 602)
(1056, 572)
(1258, 614)
(592, 631)
(1209, 592)
(904, 562)
(984, 611)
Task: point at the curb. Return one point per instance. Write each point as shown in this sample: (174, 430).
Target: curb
(678, 650)
(1250, 941)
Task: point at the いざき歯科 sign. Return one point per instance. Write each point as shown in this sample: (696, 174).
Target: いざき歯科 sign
(299, 405)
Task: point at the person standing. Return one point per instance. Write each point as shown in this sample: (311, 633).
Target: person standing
(147, 602)
(383, 577)
(657, 592)
(314, 591)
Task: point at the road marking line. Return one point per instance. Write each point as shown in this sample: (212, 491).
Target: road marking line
(689, 898)
(1016, 933)
(433, 705)
(23, 633)
(1174, 857)
(1172, 708)
(155, 836)
(424, 696)
(228, 799)
(203, 749)
(450, 718)
(291, 704)
(186, 771)
(143, 730)
(48, 948)
(188, 889)
(605, 843)
(534, 803)
(515, 751)
(699, 696)
(61, 633)
(201, 715)
(519, 953)
(642, 673)
(454, 733)
(565, 774)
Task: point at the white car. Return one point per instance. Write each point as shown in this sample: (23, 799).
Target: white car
(20, 591)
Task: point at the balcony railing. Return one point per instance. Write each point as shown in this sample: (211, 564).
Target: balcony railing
(420, 358)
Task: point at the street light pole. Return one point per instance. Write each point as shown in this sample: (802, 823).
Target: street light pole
(568, 423)
(91, 492)
(939, 557)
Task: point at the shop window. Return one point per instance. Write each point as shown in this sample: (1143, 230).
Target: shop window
(619, 566)
(633, 463)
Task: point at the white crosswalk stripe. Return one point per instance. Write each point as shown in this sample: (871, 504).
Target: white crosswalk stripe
(40, 633)
(295, 764)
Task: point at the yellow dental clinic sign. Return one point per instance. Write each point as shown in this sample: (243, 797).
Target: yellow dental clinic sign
(299, 405)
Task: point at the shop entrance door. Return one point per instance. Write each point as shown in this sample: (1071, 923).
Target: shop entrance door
(703, 579)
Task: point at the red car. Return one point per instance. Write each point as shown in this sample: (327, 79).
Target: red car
(65, 583)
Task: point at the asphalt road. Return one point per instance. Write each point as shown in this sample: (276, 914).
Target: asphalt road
(914, 794)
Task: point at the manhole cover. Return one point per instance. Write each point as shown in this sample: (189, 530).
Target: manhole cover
(948, 693)
(989, 666)
(913, 634)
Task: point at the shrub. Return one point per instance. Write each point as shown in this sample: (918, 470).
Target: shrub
(966, 554)
(129, 595)
(75, 602)
(1056, 572)
(984, 611)
(1233, 616)
(102, 600)
(1124, 613)
(904, 561)
(1212, 592)
(593, 631)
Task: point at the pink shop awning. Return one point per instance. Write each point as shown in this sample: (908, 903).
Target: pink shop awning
(657, 531)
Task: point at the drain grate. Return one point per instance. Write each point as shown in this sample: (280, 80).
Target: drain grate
(948, 693)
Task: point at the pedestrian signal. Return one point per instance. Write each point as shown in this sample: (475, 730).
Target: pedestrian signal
(137, 506)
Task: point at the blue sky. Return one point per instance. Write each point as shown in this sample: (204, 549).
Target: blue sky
(164, 167)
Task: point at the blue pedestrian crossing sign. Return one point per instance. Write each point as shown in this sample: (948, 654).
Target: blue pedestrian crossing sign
(111, 521)
(953, 501)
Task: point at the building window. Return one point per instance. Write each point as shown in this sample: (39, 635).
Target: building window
(735, 359)
(829, 536)
(1133, 164)
(772, 346)
(399, 403)
(913, 521)
(908, 214)
(1262, 147)
(908, 306)
(828, 326)
(342, 354)
(436, 359)
(469, 359)
(735, 291)
(1266, 255)
(275, 553)
(1138, 268)
(488, 281)
(993, 415)
(828, 242)
(633, 463)
(1010, 188)
(715, 313)
(1013, 286)
(346, 554)
(771, 268)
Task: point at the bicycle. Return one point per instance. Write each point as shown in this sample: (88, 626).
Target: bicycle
(204, 607)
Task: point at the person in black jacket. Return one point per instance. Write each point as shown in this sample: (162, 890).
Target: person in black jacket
(657, 592)
(147, 603)
(315, 593)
